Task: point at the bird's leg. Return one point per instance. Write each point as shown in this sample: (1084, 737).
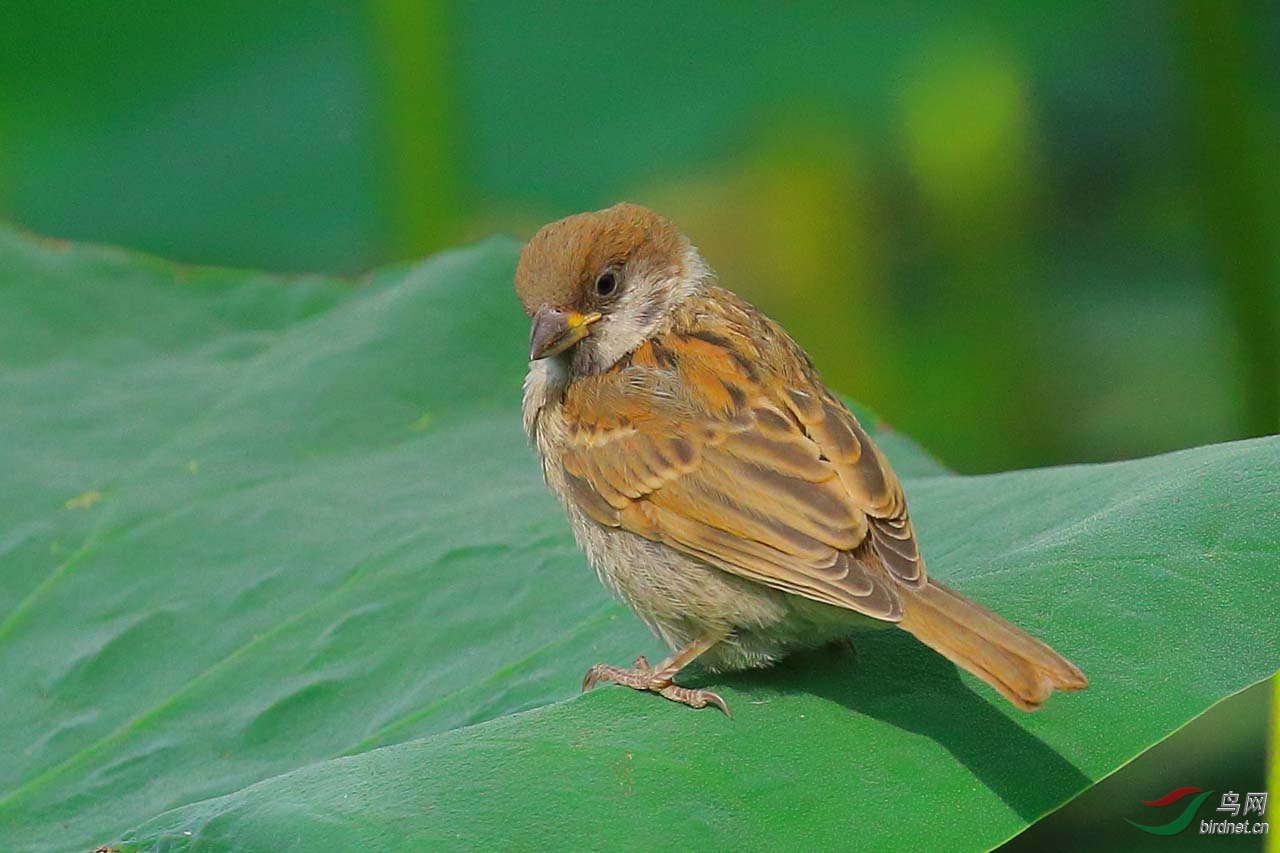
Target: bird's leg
(844, 646)
(659, 678)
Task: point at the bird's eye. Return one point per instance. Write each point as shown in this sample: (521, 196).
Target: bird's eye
(606, 283)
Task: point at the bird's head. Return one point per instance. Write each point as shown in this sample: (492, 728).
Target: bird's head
(599, 284)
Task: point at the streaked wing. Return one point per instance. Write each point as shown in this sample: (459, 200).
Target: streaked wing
(686, 444)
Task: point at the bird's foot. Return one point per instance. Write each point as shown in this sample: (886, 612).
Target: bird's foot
(643, 677)
(639, 677)
(694, 698)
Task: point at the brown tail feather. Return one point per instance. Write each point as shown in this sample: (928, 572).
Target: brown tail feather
(1022, 668)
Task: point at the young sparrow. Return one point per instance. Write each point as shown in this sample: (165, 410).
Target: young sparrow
(716, 485)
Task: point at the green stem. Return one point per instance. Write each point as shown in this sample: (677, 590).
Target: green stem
(1236, 171)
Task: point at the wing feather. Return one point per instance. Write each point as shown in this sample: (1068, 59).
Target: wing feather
(686, 444)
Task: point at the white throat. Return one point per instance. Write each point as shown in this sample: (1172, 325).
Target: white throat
(545, 383)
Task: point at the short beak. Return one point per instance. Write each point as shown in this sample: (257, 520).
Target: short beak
(554, 331)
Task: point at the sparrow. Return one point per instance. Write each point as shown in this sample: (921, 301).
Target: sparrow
(717, 486)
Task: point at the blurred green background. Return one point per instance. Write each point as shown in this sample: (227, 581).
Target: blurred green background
(1027, 235)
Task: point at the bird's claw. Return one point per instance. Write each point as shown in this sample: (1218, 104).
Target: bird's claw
(642, 678)
(638, 679)
(694, 698)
